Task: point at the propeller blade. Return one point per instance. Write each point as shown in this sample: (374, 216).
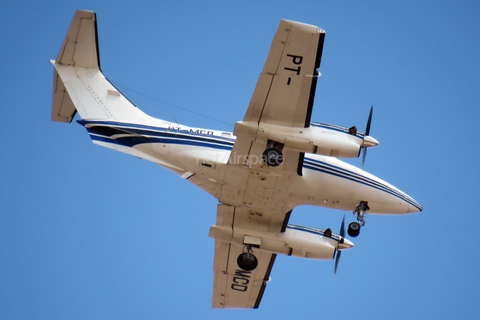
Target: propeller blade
(342, 235)
(367, 130)
(336, 263)
(342, 228)
(364, 157)
(367, 133)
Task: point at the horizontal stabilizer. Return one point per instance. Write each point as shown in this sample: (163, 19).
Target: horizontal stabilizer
(78, 82)
(80, 47)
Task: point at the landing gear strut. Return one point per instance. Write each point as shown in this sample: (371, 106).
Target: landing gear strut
(247, 261)
(360, 210)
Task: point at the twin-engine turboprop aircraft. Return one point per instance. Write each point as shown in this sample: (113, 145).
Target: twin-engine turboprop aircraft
(275, 160)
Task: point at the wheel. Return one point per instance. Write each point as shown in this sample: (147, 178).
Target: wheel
(353, 229)
(247, 262)
(272, 157)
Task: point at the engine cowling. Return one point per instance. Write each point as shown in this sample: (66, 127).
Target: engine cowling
(319, 138)
(296, 241)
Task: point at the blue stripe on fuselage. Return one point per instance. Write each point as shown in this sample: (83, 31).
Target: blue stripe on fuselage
(355, 177)
(148, 134)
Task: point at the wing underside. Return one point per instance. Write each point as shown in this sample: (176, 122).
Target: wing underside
(234, 287)
(284, 92)
(286, 88)
(283, 97)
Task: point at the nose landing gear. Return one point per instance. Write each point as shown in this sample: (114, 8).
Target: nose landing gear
(354, 227)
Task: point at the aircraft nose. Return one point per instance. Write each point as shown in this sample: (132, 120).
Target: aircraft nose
(408, 204)
(414, 207)
(345, 245)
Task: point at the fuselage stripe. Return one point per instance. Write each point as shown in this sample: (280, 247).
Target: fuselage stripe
(342, 173)
(141, 134)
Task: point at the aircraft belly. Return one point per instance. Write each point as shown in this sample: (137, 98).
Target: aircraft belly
(204, 167)
(259, 189)
(256, 189)
(145, 151)
(233, 190)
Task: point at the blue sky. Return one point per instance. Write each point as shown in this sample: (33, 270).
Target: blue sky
(87, 233)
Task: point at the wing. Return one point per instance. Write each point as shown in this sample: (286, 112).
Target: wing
(284, 92)
(286, 88)
(234, 287)
(283, 97)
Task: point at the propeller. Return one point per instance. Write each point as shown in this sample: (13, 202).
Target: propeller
(341, 241)
(370, 141)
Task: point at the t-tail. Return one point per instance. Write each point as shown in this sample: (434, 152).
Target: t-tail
(79, 84)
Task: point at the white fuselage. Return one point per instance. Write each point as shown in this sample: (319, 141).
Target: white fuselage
(202, 157)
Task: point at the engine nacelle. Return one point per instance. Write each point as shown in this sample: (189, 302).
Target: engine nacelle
(335, 141)
(319, 138)
(296, 241)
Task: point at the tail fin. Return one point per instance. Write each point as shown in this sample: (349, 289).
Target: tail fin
(79, 84)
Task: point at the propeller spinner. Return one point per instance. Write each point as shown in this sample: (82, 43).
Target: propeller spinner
(367, 140)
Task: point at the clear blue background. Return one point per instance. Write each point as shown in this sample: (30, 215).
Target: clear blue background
(88, 233)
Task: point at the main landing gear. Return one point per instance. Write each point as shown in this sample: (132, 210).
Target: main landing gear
(354, 227)
(272, 156)
(247, 261)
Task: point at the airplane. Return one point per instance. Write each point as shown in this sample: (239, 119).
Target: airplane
(275, 160)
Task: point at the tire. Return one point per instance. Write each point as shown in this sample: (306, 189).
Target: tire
(353, 229)
(246, 265)
(272, 157)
